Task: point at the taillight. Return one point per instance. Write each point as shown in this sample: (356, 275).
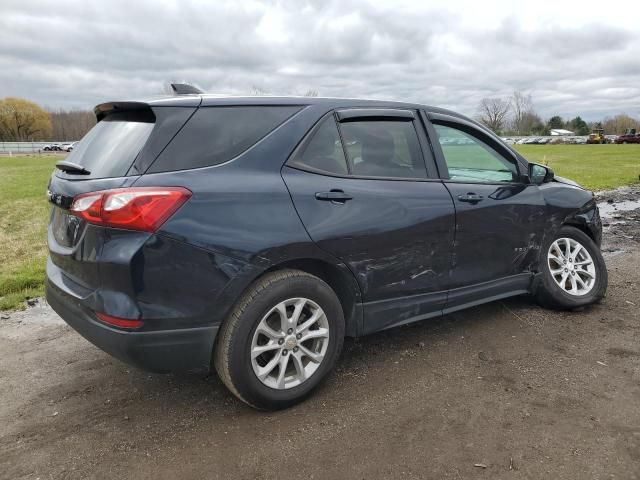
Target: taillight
(118, 322)
(136, 208)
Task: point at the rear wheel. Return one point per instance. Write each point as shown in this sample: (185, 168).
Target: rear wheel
(281, 340)
(573, 271)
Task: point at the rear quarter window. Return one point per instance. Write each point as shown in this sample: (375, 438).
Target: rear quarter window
(215, 135)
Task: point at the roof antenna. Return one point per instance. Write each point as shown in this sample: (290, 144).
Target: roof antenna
(185, 89)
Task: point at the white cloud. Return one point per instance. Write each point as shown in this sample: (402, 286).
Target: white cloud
(572, 58)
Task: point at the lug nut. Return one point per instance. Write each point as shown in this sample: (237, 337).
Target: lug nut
(284, 352)
(299, 336)
(290, 331)
(281, 341)
(295, 349)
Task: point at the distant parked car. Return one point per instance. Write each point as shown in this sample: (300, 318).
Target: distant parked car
(53, 147)
(68, 147)
(628, 138)
(544, 140)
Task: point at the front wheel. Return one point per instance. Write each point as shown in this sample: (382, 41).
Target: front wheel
(281, 340)
(573, 271)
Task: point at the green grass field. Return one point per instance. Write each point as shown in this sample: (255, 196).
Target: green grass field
(24, 211)
(596, 167)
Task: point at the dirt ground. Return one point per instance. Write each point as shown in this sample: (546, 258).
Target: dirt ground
(505, 390)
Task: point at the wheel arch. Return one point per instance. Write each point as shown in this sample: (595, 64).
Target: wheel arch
(341, 281)
(582, 227)
(587, 221)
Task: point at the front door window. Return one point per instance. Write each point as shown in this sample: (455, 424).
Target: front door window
(471, 160)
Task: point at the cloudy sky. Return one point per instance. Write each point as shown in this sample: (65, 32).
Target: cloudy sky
(572, 57)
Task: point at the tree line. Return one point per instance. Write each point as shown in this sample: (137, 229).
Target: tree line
(516, 115)
(25, 121)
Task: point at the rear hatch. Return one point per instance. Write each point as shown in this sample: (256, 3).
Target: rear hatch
(126, 139)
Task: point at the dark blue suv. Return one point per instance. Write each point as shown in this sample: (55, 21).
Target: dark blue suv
(254, 234)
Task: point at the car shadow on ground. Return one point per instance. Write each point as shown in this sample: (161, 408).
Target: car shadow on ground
(406, 344)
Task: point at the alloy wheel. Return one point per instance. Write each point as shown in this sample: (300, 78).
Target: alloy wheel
(571, 266)
(289, 343)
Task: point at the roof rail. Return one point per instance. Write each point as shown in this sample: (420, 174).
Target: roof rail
(185, 89)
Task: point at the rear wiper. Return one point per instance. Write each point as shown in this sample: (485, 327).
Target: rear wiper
(71, 167)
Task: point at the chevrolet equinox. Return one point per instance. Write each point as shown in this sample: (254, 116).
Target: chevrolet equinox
(253, 234)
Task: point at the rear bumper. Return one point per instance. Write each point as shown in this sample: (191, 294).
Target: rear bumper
(184, 349)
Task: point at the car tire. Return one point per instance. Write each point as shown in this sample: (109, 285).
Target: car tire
(262, 305)
(550, 292)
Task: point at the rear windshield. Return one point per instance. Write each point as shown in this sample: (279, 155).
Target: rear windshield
(217, 134)
(109, 149)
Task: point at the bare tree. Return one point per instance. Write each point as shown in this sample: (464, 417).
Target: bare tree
(311, 93)
(619, 123)
(521, 107)
(493, 112)
(532, 124)
(71, 125)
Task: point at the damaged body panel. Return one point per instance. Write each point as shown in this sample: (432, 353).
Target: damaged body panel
(570, 204)
(395, 236)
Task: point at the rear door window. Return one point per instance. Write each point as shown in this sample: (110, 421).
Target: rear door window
(111, 146)
(383, 148)
(323, 151)
(215, 135)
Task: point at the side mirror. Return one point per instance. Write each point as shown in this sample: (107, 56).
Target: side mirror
(539, 174)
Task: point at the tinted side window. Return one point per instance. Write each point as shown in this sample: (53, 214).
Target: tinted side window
(471, 160)
(323, 151)
(383, 149)
(217, 134)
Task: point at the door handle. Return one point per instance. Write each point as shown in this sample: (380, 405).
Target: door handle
(470, 198)
(337, 196)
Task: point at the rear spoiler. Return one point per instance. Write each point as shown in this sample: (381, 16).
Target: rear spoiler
(146, 107)
(108, 108)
